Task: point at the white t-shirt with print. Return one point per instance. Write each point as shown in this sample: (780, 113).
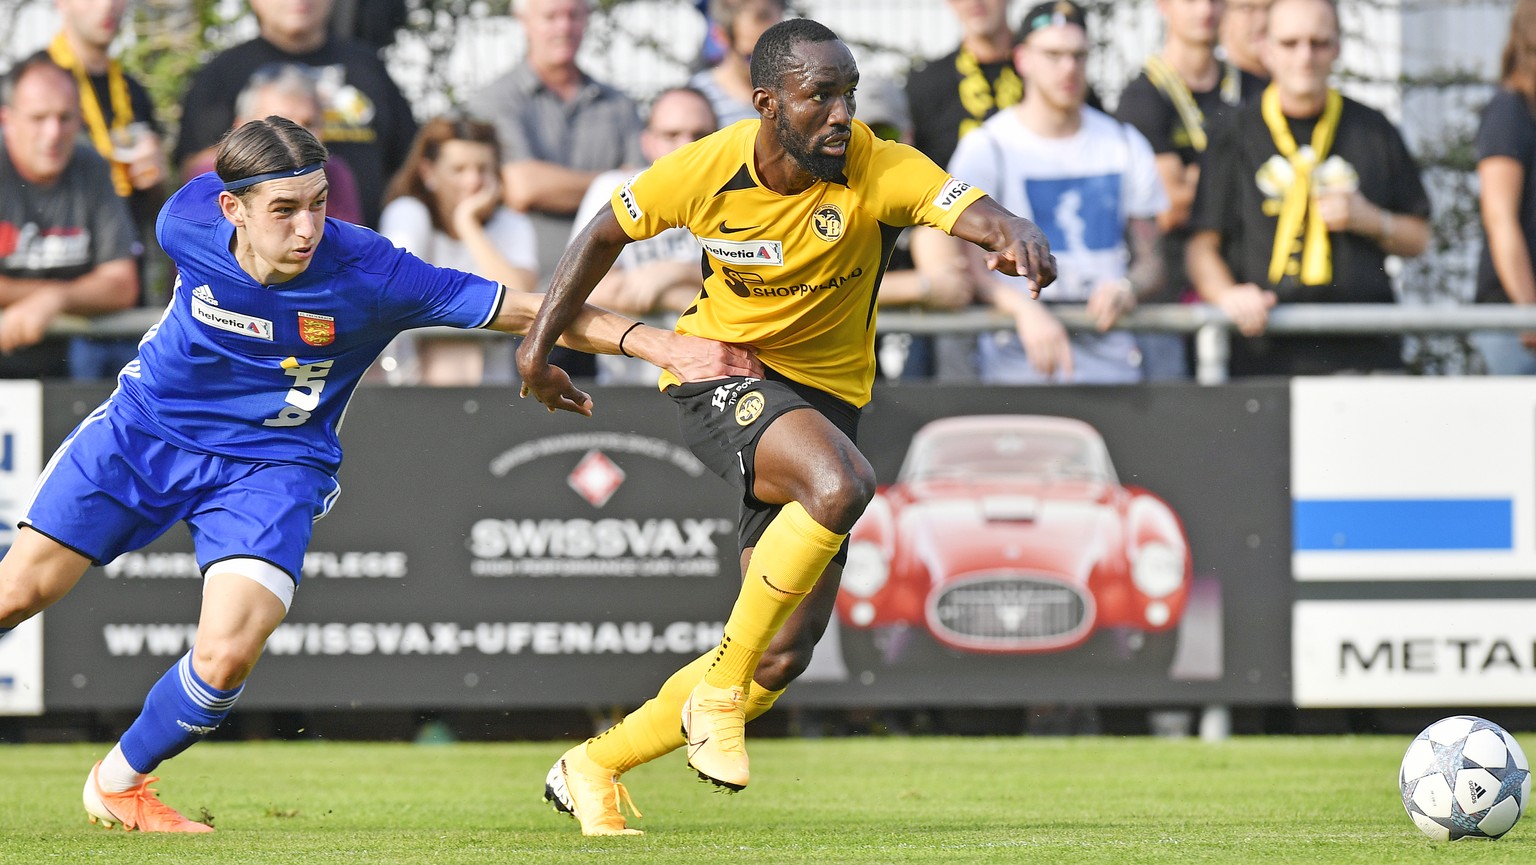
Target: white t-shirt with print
(1081, 190)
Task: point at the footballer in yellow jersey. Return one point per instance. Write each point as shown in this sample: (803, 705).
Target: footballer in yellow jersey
(793, 276)
(796, 213)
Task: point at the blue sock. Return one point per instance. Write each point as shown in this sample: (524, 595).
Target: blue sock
(181, 709)
(4, 631)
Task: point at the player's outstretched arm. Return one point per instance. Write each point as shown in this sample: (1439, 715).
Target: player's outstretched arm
(562, 315)
(1014, 245)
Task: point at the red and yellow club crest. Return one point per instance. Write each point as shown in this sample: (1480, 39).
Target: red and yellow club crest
(317, 329)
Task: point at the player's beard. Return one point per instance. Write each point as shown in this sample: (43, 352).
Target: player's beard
(802, 150)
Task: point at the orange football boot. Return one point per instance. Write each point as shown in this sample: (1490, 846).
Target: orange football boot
(138, 808)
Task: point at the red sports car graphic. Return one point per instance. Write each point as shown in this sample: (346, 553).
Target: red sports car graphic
(1010, 534)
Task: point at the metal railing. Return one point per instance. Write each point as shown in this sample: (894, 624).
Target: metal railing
(1213, 332)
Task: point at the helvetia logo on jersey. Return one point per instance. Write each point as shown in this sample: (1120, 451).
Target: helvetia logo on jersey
(234, 322)
(317, 329)
(304, 396)
(827, 222)
(950, 194)
(765, 252)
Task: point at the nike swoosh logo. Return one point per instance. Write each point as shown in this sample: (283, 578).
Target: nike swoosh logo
(693, 747)
(726, 230)
(769, 583)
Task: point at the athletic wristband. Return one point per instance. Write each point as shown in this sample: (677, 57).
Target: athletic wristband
(626, 335)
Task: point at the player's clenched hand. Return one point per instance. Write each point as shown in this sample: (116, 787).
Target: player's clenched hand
(1027, 253)
(693, 358)
(553, 388)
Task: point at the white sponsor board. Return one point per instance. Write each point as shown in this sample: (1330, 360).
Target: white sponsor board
(21, 456)
(1414, 653)
(1414, 478)
(172, 639)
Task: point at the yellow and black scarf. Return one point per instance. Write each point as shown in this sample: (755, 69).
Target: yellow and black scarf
(1296, 207)
(980, 97)
(90, 108)
(1171, 85)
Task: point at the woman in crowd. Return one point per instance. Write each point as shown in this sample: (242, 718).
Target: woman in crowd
(444, 206)
(1506, 157)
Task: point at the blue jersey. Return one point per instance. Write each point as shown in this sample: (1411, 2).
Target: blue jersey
(264, 372)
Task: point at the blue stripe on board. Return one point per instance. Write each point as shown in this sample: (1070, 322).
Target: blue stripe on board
(1403, 524)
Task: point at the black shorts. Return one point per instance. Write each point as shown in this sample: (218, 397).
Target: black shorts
(723, 419)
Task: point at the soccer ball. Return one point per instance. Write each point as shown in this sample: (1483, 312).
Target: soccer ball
(1464, 777)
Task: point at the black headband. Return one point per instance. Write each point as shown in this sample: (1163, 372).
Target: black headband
(244, 182)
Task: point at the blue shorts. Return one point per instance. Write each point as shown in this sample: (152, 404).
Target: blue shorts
(113, 487)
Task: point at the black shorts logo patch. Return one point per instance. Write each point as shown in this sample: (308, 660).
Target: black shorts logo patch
(749, 407)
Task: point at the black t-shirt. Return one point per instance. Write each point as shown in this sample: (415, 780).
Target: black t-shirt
(1507, 129)
(367, 119)
(933, 92)
(938, 111)
(59, 232)
(1152, 113)
(1229, 201)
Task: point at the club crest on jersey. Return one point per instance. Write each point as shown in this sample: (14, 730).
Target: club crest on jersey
(827, 222)
(317, 329)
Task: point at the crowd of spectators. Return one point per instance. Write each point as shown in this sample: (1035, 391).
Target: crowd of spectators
(1230, 171)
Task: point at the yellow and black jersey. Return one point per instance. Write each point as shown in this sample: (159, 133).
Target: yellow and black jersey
(794, 276)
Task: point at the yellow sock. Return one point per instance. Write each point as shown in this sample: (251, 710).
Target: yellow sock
(786, 563)
(653, 729)
(760, 700)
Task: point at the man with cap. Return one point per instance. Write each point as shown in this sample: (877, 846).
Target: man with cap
(1090, 182)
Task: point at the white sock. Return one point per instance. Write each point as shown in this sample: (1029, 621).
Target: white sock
(115, 775)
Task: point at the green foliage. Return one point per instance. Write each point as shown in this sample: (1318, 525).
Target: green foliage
(175, 38)
(888, 800)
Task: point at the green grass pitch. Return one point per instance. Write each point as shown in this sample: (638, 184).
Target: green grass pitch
(861, 800)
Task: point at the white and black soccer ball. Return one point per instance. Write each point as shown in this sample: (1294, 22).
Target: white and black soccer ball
(1464, 777)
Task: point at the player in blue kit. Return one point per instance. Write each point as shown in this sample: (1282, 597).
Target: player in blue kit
(228, 420)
